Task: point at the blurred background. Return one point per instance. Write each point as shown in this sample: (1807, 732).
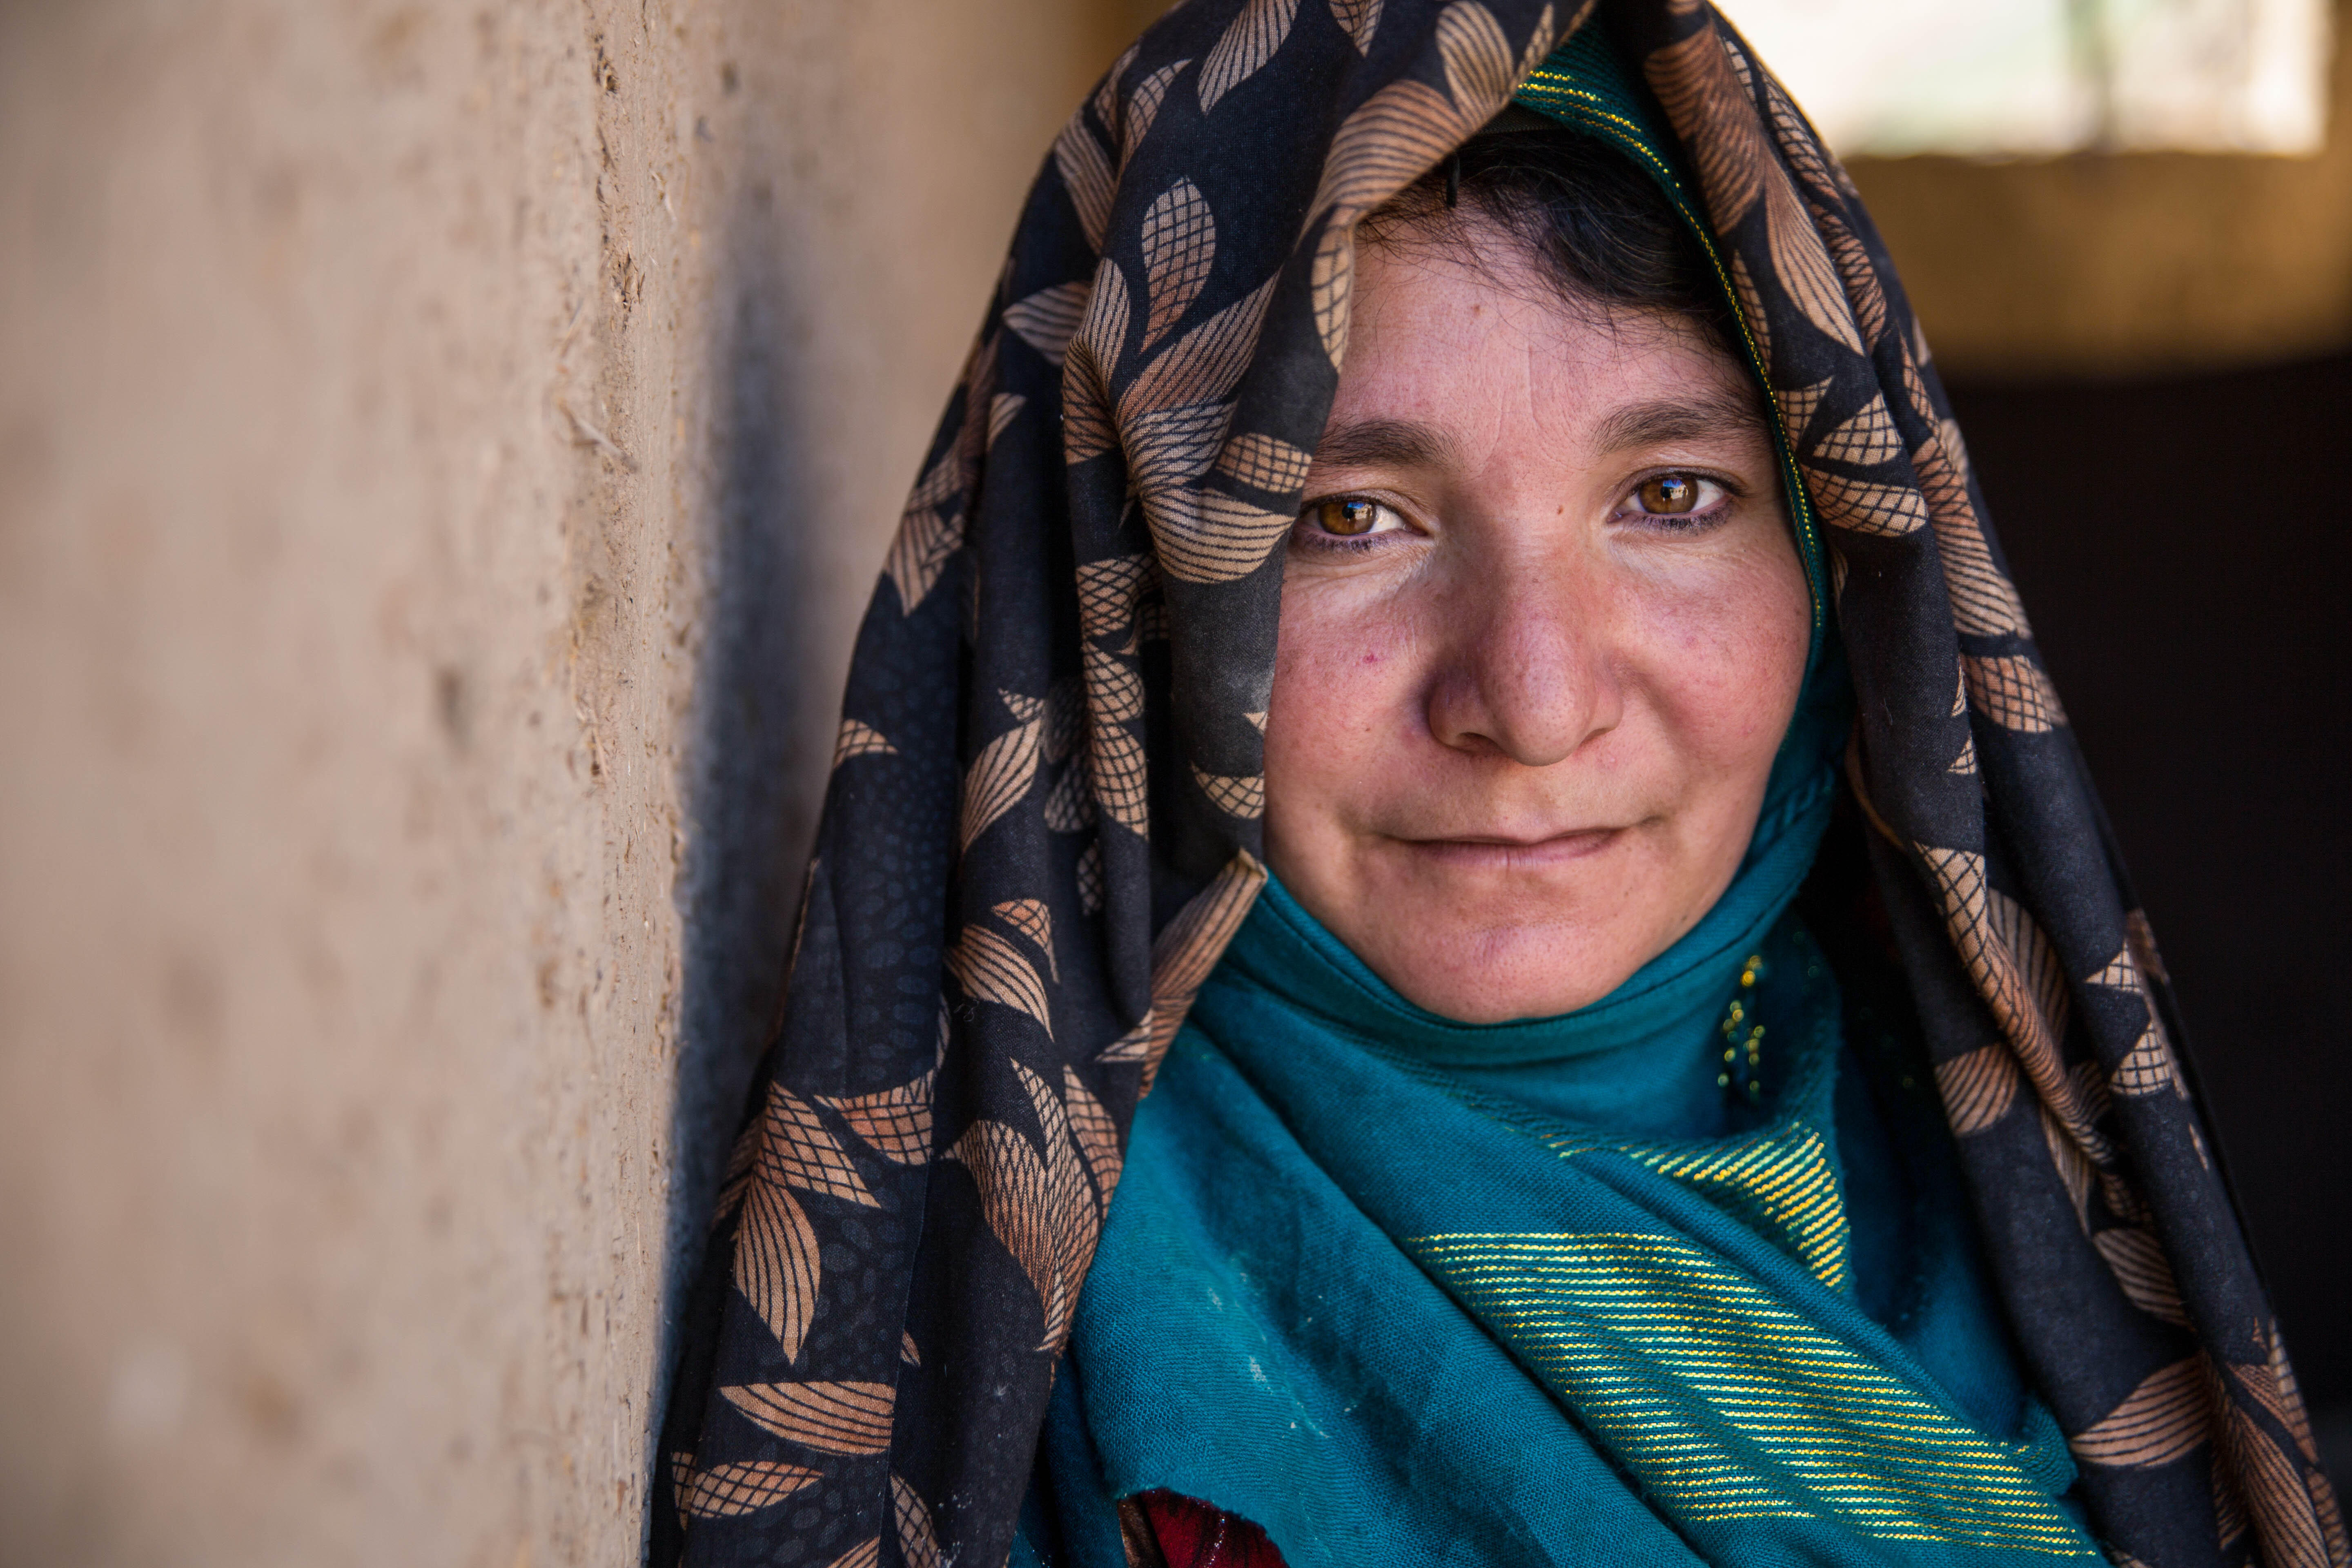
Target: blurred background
(444, 450)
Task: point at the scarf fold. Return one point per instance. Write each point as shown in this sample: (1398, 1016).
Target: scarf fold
(1043, 824)
(1518, 1338)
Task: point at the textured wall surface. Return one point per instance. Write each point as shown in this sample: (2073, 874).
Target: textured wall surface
(443, 450)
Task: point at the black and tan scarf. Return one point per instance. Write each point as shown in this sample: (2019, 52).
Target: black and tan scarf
(1043, 824)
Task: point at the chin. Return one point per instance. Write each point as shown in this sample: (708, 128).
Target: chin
(1496, 975)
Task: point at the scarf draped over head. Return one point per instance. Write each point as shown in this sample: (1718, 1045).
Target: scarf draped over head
(1044, 821)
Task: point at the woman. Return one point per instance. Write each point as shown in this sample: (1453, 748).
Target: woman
(1548, 1163)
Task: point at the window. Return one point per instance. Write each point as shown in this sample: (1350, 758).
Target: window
(2027, 77)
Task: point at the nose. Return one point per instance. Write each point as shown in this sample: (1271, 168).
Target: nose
(1524, 669)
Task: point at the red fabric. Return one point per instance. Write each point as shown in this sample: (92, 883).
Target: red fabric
(1192, 1534)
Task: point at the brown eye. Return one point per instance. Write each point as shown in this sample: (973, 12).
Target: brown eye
(1348, 517)
(1669, 495)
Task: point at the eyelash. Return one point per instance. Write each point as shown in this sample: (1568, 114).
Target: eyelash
(1661, 523)
(1354, 544)
(1681, 522)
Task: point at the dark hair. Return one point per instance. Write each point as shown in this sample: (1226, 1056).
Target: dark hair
(1598, 227)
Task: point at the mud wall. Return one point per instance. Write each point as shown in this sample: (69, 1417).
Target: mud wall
(443, 449)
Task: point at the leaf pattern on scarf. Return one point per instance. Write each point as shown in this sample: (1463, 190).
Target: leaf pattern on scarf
(1144, 107)
(1033, 919)
(776, 1262)
(2278, 1497)
(1070, 805)
(1167, 449)
(2076, 1174)
(895, 1123)
(1696, 82)
(2011, 692)
(2137, 1262)
(1381, 148)
(1086, 175)
(1002, 409)
(991, 969)
(860, 739)
(1188, 947)
(2271, 1385)
(1249, 42)
(1360, 19)
(919, 1543)
(1205, 537)
(1047, 320)
(1078, 1210)
(2148, 1068)
(1179, 246)
(1265, 463)
(1398, 133)
(1017, 1198)
(1976, 932)
(1751, 308)
(2142, 942)
(2162, 1420)
(1092, 886)
(1983, 603)
(926, 539)
(1243, 797)
(1096, 1135)
(1107, 101)
(1109, 592)
(724, 1491)
(796, 1151)
(1866, 506)
(1801, 261)
(847, 1419)
(1977, 1089)
(1114, 686)
(1004, 771)
(1799, 404)
(1867, 437)
(1201, 367)
(1134, 1045)
(2229, 1523)
(1087, 432)
(1825, 192)
(931, 529)
(1043, 1207)
(2037, 961)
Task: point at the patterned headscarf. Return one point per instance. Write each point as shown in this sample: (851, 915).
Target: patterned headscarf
(1044, 822)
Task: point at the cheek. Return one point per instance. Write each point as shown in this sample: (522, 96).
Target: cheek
(1341, 674)
(1728, 665)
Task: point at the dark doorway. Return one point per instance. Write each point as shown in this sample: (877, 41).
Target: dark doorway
(2183, 547)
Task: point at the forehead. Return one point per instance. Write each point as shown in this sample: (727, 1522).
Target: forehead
(1480, 342)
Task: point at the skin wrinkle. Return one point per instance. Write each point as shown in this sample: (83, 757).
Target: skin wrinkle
(1384, 443)
(1405, 443)
(1519, 732)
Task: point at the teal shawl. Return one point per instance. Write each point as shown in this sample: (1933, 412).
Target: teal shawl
(1684, 1276)
(1390, 1313)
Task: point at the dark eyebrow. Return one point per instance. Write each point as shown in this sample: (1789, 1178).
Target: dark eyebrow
(1714, 412)
(1383, 444)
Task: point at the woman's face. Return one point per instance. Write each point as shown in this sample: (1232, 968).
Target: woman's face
(1543, 627)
